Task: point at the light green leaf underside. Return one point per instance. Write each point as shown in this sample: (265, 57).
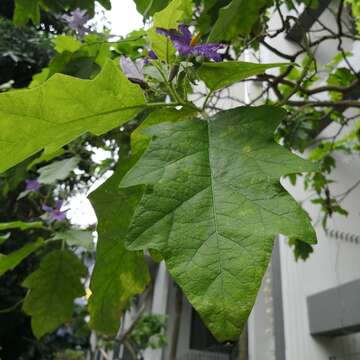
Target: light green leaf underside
(10, 261)
(76, 237)
(53, 289)
(168, 18)
(58, 170)
(219, 75)
(53, 114)
(235, 19)
(119, 274)
(213, 207)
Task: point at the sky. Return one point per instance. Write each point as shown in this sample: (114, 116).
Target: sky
(123, 17)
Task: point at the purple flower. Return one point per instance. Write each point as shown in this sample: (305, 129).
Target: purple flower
(152, 55)
(32, 185)
(54, 214)
(133, 70)
(185, 43)
(77, 20)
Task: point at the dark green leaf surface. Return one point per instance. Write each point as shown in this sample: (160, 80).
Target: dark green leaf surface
(219, 75)
(55, 113)
(119, 274)
(53, 289)
(10, 261)
(235, 19)
(213, 207)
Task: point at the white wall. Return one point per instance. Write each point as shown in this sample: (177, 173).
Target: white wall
(334, 261)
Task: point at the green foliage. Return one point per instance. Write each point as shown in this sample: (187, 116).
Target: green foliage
(26, 10)
(21, 225)
(76, 237)
(57, 170)
(148, 8)
(149, 332)
(53, 289)
(204, 179)
(23, 52)
(118, 274)
(219, 75)
(10, 261)
(302, 250)
(232, 20)
(62, 109)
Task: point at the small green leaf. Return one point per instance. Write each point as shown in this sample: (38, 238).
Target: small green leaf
(213, 206)
(76, 237)
(58, 170)
(66, 43)
(26, 10)
(53, 289)
(168, 18)
(219, 75)
(10, 261)
(236, 19)
(21, 225)
(58, 111)
(119, 274)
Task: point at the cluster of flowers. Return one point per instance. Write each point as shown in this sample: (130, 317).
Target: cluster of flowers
(184, 42)
(51, 213)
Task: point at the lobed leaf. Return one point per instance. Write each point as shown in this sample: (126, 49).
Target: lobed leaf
(55, 113)
(213, 206)
(53, 289)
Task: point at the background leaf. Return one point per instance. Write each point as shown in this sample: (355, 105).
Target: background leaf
(213, 207)
(219, 75)
(76, 237)
(57, 170)
(119, 274)
(53, 289)
(235, 19)
(53, 114)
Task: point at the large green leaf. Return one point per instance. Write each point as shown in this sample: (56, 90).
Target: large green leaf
(219, 75)
(214, 205)
(53, 114)
(10, 261)
(237, 18)
(119, 274)
(168, 18)
(53, 289)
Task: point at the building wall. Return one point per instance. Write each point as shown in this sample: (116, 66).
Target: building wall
(334, 261)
